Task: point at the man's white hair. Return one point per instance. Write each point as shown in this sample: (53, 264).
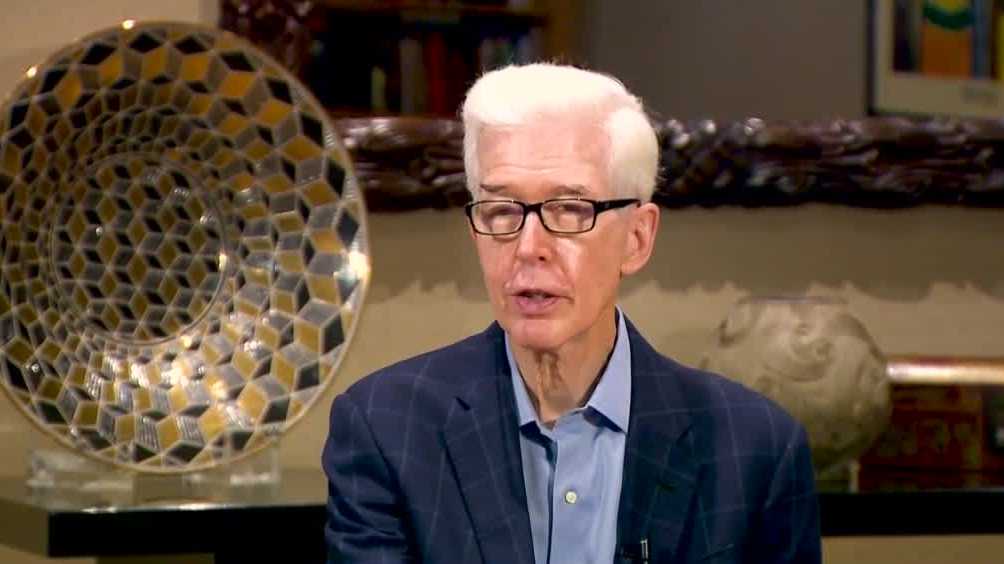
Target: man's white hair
(519, 94)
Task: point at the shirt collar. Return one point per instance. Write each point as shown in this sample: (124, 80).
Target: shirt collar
(612, 396)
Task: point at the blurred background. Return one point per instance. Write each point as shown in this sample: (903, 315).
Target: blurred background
(927, 280)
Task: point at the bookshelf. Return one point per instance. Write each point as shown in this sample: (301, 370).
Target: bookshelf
(403, 57)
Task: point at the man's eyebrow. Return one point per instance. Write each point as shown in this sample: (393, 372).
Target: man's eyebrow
(564, 189)
(571, 190)
(493, 188)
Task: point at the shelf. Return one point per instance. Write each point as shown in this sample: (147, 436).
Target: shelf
(438, 11)
(404, 57)
(83, 524)
(873, 163)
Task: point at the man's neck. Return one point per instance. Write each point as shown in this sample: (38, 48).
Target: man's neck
(562, 380)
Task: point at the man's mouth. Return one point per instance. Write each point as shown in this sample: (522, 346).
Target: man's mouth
(535, 294)
(535, 302)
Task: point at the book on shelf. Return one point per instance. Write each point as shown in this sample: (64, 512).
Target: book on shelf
(413, 83)
(437, 83)
(387, 65)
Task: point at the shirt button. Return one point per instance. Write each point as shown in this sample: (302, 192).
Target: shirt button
(571, 497)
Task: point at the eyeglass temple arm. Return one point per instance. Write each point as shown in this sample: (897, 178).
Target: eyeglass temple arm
(611, 204)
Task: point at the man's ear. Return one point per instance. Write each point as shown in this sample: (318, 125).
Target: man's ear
(640, 238)
(470, 228)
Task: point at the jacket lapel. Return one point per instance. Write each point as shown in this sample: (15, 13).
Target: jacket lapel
(660, 469)
(481, 438)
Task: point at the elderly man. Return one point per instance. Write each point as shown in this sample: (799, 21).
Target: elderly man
(558, 435)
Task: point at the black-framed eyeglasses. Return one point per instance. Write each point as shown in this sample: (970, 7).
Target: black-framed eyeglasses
(559, 215)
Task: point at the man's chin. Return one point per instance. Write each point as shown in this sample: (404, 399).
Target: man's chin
(536, 335)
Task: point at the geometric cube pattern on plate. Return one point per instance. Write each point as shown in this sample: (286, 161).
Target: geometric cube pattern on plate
(183, 247)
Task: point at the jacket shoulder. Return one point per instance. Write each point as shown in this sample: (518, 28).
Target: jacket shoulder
(751, 420)
(437, 374)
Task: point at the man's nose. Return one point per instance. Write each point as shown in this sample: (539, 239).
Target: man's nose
(534, 241)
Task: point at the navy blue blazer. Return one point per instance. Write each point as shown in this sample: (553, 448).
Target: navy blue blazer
(423, 465)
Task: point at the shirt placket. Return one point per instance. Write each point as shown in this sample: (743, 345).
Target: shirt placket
(572, 506)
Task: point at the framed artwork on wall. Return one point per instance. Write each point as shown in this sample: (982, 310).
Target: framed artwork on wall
(937, 57)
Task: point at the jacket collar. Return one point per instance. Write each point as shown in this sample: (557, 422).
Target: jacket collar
(660, 467)
(482, 439)
(660, 470)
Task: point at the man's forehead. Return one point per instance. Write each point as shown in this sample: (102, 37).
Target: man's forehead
(541, 125)
(544, 140)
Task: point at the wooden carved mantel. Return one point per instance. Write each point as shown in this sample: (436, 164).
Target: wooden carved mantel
(410, 162)
(876, 162)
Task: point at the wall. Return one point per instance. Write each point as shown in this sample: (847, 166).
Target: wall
(775, 59)
(928, 280)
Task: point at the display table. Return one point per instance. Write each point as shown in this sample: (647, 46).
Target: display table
(260, 524)
(891, 503)
(285, 523)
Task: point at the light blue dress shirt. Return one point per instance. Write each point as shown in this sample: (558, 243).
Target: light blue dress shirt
(573, 471)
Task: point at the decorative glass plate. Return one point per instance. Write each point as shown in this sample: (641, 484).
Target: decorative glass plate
(183, 244)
